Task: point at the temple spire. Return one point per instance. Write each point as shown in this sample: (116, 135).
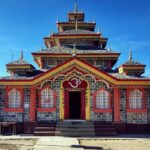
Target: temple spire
(21, 55)
(75, 8)
(130, 55)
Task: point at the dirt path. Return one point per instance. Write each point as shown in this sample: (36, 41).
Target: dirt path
(115, 144)
(17, 144)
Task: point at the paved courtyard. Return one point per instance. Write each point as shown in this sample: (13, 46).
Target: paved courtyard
(38, 143)
(124, 142)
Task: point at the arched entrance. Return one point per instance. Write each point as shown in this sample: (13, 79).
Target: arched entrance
(75, 99)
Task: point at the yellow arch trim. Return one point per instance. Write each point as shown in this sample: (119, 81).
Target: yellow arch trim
(87, 99)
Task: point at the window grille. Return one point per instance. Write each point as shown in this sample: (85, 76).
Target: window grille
(14, 99)
(47, 98)
(135, 99)
(102, 100)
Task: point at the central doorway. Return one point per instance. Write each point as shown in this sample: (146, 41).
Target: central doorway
(74, 105)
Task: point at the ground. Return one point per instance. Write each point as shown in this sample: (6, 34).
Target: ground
(116, 144)
(68, 143)
(17, 144)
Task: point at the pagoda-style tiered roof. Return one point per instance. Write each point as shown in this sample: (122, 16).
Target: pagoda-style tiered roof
(75, 63)
(63, 26)
(76, 36)
(75, 15)
(75, 31)
(76, 39)
(79, 49)
(83, 52)
(19, 66)
(75, 18)
(132, 67)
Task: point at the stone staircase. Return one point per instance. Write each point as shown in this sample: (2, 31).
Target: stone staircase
(75, 128)
(45, 130)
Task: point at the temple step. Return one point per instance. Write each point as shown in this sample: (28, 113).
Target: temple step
(75, 129)
(45, 130)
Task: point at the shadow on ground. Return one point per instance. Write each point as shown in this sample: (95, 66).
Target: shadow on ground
(87, 147)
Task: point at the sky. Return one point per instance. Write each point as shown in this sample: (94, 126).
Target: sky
(24, 23)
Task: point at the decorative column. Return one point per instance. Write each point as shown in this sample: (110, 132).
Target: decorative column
(61, 106)
(116, 105)
(32, 103)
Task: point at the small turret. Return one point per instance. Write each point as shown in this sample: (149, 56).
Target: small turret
(19, 66)
(75, 15)
(132, 67)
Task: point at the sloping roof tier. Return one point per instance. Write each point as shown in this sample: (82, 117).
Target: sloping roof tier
(73, 16)
(19, 66)
(77, 32)
(68, 52)
(135, 70)
(51, 73)
(75, 36)
(79, 23)
(132, 68)
(63, 26)
(18, 62)
(79, 49)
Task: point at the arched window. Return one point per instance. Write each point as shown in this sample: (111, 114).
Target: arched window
(47, 98)
(135, 99)
(14, 99)
(102, 99)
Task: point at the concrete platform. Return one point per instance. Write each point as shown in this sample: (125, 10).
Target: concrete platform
(57, 143)
(39, 143)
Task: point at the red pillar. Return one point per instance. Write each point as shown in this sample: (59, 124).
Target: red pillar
(32, 103)
(116, 105)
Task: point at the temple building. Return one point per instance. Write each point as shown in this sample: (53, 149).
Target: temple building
(77, 84)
